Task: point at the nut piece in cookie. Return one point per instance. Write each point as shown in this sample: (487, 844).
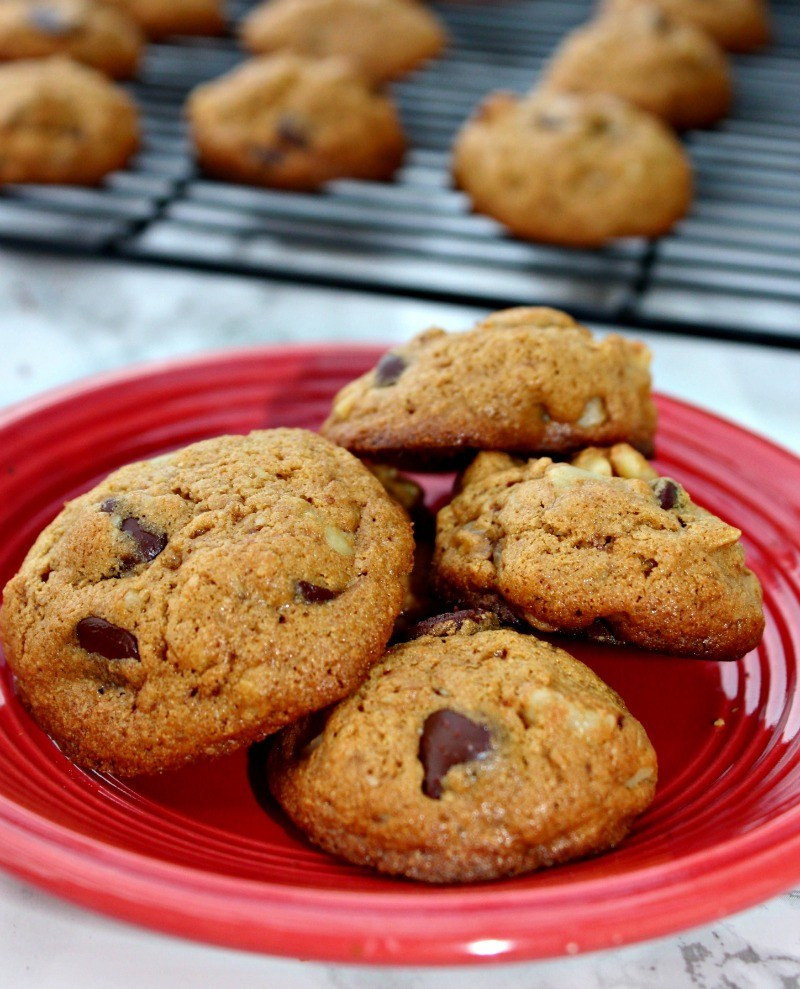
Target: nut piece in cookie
(62, 122)
(667, 67)
(89, 32)
(294, 122)
(577, 169)
(382, 39)
(468, 757)
(588, 552)
(194, 603)
(522, 380)
(737, 25)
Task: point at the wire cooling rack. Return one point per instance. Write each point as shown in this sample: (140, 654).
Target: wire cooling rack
(732, 268)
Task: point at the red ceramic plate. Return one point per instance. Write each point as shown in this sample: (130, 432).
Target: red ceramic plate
(202, 854)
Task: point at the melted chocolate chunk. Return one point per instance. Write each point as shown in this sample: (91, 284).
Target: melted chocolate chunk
(666, 492)
(148, 543)
(291, 132)
(50, 21)
(449, 738)
(97, 635)
(450, 623)
(313, 593)
(389, 369)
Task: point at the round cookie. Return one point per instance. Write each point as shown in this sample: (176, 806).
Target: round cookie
(523, 380)
(383, 39)
(667, 67)
(88, 32)
(572, 169)
(295, 123)
(592, 554)
(62, 122)
(160, 18)
(737, 25)
(194, 603)
(468, 757)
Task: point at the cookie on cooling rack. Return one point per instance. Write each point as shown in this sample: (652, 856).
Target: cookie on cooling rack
(573, 169)
(665, 66)
(602, 548)
(523, 379)
(468, 756)
(62, 122)
(737, 25)
(383, 39)
(88, 32)
(194, 603)
(294, 122)
(159, 18)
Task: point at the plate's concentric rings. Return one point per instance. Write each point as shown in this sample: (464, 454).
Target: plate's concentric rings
(194, 853)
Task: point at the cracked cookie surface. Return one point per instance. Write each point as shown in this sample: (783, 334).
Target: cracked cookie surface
(466, 757)
(663, 65)
(617, 559)
(89, 32)
(571, 168)
(521, 380)
(293, 122)
(62, 122)
(196, 602)
(382, 39)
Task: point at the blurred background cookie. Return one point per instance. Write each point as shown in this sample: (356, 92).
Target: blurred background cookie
(665, 66)
(382, 38)
(159, 18)
(737, 25)
(294, 122)
(576, 169)
(63, 122)
(89, 32)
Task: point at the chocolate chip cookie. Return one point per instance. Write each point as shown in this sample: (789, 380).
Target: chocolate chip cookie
(737, 25)
(665, 66)
(521, 380)
(383, 39)
(467, 757)
(62, 122)
(627, 559)
(295, 123)
(573, 169)
(88, 32)
(193, 603)
(159, 18)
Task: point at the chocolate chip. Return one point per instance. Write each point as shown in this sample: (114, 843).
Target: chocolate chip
(149, 544)
(51, 21)
(450, 623)
(97, 635)
(292, 132)
(268, 156)
(109, 506)
(550, 121)
(449, 738)
(389, 369)
(313, 593)
(666, 493)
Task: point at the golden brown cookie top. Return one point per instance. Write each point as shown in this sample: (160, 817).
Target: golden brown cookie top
(467, 757)
(522, 379)
(88, 32)
(287, 120)
(738, 25)
(159, 18)
(572, 168)
(663, 65)
(382, 38)
(616, 558)
(195, 602)
(62, 122)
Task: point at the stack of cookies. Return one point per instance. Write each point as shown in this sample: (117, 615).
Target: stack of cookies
(247, 587)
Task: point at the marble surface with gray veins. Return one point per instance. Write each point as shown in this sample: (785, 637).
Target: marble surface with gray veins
(61, 320)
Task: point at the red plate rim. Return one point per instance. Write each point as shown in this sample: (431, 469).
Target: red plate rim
(479, 924)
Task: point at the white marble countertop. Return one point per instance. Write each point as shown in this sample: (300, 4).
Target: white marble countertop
(63, 319)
